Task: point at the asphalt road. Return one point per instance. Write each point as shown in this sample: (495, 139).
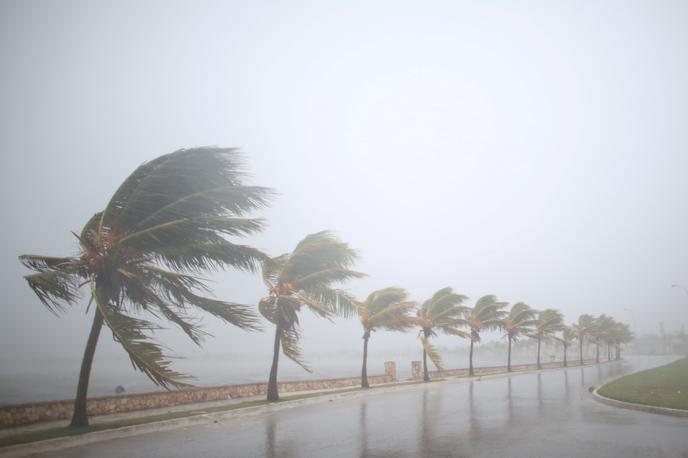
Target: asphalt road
(529, 415)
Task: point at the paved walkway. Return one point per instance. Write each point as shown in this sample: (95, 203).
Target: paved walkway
(542, 414)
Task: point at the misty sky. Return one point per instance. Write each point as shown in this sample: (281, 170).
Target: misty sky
(536, 150)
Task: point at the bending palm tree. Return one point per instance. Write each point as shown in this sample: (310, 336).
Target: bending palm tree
(519, 322)
(567, 337)
(487, 314)
(584, 327)
(441, 312)
(387, 309)
(165, 224)
(304, 278)
(548, 322)
(603, 325)
(621, 333)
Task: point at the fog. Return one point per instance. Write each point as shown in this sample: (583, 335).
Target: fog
(534, 150)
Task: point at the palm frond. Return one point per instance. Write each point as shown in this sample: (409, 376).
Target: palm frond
(181, 185)
(455, 332)
(54, 289)
(289, 338)
(239, 315)
(201, 229)
(324, 278)
(393, 317)
(380, 299)
(335, 301)
(145, 355)
(280, 309)
(272, 269)
(213, 255)
(315, 253)
(57, 280)
(432, 353)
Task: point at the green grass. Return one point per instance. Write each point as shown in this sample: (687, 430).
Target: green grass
(53, 433)
(665, 386)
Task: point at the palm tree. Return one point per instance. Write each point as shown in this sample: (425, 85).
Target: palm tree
(605, 328)
(517, 323)
(441, 312)
(567, 337)
(584, 327)
(548, 322)
(165, 225)
(487, 314)
(387, 309)
(305, 277)
(621, 334)
(603, 324)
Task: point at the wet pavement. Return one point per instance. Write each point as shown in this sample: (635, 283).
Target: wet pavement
(543, 414)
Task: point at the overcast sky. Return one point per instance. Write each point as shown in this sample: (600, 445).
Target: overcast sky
(536, 150)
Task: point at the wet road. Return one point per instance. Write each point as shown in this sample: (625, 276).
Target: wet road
(529, 415)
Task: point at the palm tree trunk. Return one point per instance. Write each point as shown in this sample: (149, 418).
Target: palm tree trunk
(581, 350)
(426, 376)
(273, 394)
(508, 362)
(538, 354)
(470, 360)
(80, 416)
(565, 347)
(597, 351)
(364, 370)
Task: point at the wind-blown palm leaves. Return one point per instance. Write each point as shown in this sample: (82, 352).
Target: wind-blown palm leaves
(568, 335)
(518, 322)
(441, 312)
(305, 278)
(584, 327)
(165, 224)
(547, 323)
(620, 334)
(487, 314)
(603, 325)
(388, 309)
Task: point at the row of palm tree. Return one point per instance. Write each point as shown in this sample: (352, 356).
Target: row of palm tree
(444, 312)
(169, 223)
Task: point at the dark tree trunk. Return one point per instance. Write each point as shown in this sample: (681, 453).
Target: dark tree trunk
(581, 350)
(364, 370)
(273, 394)
(565, 362)
(470, 359)
(538, 354)
(80, 416)
(426, 376)
(508, 361)
(597, 351)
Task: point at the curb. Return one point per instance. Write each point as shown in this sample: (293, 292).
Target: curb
(60, 443)
(638, 407)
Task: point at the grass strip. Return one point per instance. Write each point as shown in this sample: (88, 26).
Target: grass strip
(664, 386)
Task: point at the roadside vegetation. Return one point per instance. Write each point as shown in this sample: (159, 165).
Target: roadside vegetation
(178, 217)
(665, 386)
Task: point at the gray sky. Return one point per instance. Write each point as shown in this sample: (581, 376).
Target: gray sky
(536, 150)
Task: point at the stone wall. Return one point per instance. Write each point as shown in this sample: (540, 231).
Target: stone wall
(417, 369)
(25, 414)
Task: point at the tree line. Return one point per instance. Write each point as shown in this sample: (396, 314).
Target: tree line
(171, 221)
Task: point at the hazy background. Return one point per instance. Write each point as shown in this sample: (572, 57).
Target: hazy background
(536, 150)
